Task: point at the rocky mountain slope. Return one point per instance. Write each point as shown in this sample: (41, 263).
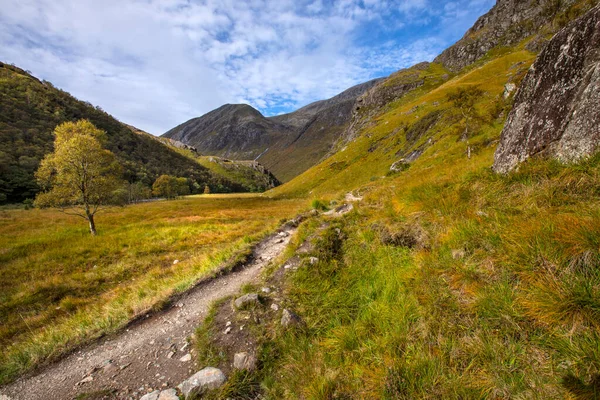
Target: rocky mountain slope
(557, 110)
(286, 145)
(507, 24)
(30, 110)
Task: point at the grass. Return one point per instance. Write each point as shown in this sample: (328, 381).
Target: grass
(60, 287)
(498, 298)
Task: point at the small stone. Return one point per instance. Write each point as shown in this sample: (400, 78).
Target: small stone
(458, 254)
(246, 300)
(169, 394)
(186, 358)
(122, 367)
(227, 330)
(289, 318)
(287, 266)
(266, 290)
(228, 323)
(85, 380)
(151, 396)
(175, 262)
(313, 260)
(244, 361)
(185, 346)
(283, 234)
(171, 354)
(207, 379)
(274, 307)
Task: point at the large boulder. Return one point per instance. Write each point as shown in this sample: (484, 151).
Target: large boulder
(556, 111)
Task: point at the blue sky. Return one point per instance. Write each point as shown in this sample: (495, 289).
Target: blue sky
(155, 64)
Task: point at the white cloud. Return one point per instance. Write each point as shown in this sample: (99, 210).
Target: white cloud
(157, 63)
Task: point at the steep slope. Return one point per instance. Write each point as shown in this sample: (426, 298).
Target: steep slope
(30, 110)
(408, 122)
(556, 110)
(286, 145)
(507, 24)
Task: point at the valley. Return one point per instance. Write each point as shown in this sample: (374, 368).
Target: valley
(432, 234)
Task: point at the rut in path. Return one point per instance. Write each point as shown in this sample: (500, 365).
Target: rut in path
(139, 359)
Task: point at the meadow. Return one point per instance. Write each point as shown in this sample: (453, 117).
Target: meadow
(61, 287)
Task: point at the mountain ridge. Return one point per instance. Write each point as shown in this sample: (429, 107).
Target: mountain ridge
(286, 144)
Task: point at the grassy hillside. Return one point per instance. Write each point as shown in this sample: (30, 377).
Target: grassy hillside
(397, 132)
(60, 287)
(31, 109)
(462, 284)
(249, 174)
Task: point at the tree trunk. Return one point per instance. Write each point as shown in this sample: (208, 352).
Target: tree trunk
(92, 224)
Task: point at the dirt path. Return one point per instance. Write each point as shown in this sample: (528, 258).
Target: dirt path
(149, 354)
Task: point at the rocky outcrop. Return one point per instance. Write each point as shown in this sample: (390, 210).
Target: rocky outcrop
(556, 111)
(506, 24)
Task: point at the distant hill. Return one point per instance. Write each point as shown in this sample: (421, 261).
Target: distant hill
(30, 109)
(287, 144)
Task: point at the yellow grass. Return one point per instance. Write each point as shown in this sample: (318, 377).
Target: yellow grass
(59, 286)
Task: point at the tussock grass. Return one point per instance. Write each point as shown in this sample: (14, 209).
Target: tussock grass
(60, 287)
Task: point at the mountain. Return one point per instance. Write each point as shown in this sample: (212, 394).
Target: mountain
(505, 25)
(286, 144)
(30, 109)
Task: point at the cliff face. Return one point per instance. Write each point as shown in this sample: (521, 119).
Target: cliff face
(506, 24)
(556, 111)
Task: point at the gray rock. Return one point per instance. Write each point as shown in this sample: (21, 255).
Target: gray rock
(399, 166)
(457, 254)
(274, 307)
(509, 88)
(186, 358)
(151, 396)
(290, 318)
(313, 260)
(556, 110)
(247, 300)
(207, 379)
(244, 361)
(169, 394)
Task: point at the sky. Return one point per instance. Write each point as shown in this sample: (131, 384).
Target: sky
(157, 63)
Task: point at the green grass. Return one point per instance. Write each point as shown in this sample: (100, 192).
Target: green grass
(59, 286)
(501, 302)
